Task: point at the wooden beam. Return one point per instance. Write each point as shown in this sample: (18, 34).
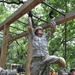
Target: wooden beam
(29, 55)
(4, 46)
(18, 36)
(59, 20)
(26, 7)
(29, 51)
(68, 16)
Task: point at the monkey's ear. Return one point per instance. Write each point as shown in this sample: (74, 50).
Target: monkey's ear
(51, 14)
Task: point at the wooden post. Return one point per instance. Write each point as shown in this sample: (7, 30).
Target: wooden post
(4, 46)
(20, 73)
(29, 52)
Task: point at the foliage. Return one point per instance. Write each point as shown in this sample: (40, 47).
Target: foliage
(17, 50)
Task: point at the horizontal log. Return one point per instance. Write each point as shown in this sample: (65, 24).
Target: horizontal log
(59, 20)
(26, 7)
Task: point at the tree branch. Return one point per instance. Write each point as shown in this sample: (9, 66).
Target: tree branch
(19, 2)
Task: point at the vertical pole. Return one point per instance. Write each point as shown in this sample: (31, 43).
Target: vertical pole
(29, 52)
(65, 31)
(4, 46)
(20, 73)
(65, 42)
